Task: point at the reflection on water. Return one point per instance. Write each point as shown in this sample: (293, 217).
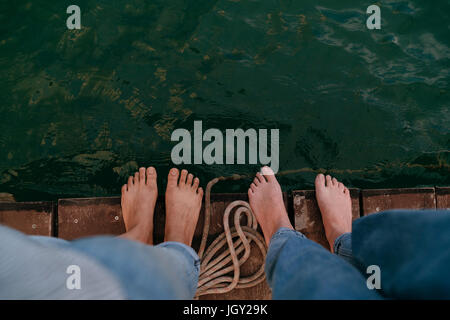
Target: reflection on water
(82, 109)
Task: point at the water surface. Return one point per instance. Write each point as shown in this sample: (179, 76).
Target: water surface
(82, 109)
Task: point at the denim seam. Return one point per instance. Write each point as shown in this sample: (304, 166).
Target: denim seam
(340, 250)
(337, 244)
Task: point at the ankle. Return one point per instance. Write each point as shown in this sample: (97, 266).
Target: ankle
(283, 223)
(332, 236)
(174, 236)
(137, 233)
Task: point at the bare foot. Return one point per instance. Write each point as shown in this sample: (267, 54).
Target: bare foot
(183, 204)
(138, 204)
(335, 205)
(266, 201)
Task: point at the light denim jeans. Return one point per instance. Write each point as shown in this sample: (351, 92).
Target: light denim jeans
(412, 250)
(35, 267)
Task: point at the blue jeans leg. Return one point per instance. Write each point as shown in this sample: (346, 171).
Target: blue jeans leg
(343, 248)
(34, 267)
(185, 261)
(50, 241)
(169, 270)
(46, 268)
(298, 268)
(411, 248)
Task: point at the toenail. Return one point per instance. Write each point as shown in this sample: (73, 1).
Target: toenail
(151, 170)
(173, 172)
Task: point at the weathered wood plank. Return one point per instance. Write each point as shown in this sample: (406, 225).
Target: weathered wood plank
(308, 219)
(443, 197)
(377, 200)
(32, 218)
(82, 217)
(85, 217)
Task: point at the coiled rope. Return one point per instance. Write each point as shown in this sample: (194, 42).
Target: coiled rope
(215, 265)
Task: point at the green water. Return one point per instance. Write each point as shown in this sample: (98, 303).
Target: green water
(82, 109)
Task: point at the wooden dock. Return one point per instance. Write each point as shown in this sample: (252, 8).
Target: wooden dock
(75, 218)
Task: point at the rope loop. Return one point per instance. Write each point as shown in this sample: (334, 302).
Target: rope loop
(227, 247)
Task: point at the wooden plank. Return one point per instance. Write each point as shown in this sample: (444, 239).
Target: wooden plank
(377, 200)
(94, 216)
(307, 216)
(32, 218)
(85, 217)
(443, 197)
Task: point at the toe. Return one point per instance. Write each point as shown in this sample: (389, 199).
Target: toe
(346, 191)
(190, 177)
(151, 176)
(341, 186)
(329, 182)
(260, 177)
(142, 176)
(195, 184)
(183, 176)
(130, 182)
(268, 173)
(200, 192)
(124, 189)
(253, 187)
(172, 179)
(256, 181)
(320, 181)
(335, 182)
(136, 178)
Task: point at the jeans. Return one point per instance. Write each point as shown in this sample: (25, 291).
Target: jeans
(413, 261)
(298, 268)
(411, 250)
(36, 267)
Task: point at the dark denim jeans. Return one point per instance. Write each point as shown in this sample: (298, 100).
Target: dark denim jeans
(298, 268)
(410, 248)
